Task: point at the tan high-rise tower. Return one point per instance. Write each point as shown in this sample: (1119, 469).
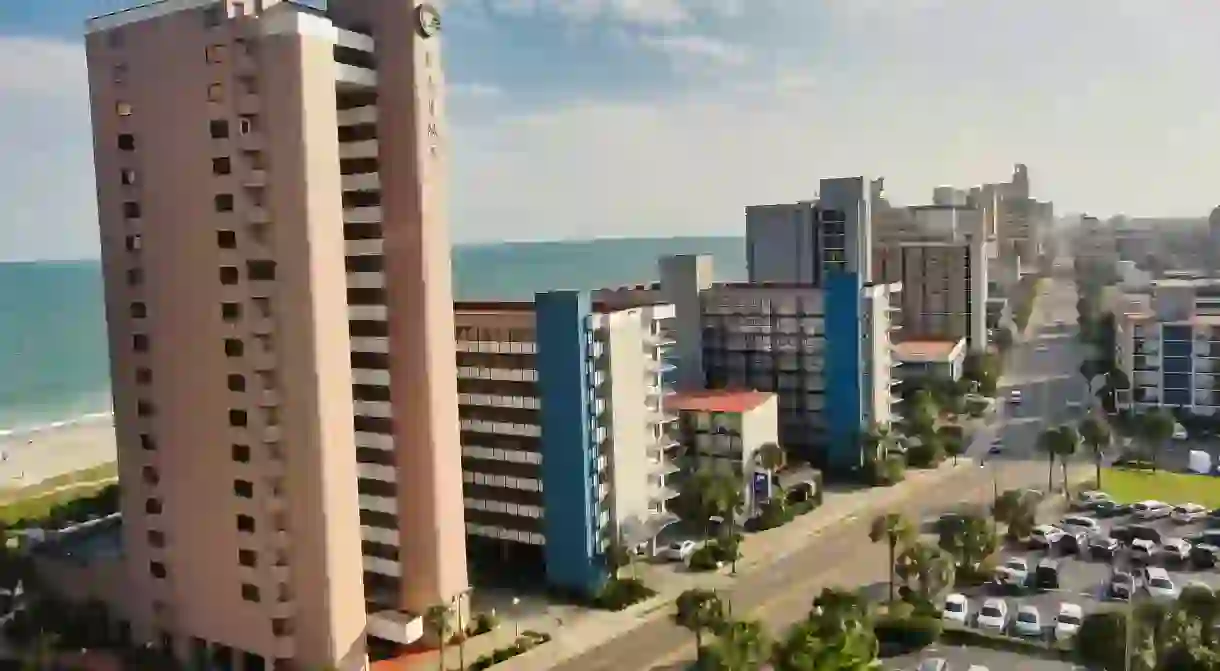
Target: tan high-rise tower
(270, 182)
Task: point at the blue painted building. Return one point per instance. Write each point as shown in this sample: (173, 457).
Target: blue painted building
(568, 445)
(846, 390)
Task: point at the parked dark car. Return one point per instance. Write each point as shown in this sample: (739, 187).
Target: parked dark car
(1046, 576)
(1072, 543)
(1213, 518)
(1204, 556)
(1110, 509)
(1121, 586)
(1127, 533)
(1102, 547)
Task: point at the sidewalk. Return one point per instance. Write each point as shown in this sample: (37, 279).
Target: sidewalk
(759, 551)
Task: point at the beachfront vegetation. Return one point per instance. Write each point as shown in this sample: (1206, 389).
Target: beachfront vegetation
(62, 500)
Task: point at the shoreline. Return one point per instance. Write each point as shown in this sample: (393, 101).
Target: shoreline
(56, 449)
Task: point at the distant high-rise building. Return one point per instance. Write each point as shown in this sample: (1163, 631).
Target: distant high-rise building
(270, 187)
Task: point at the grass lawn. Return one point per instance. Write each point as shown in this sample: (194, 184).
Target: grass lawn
(1131, 486)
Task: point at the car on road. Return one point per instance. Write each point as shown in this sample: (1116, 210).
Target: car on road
(1044, 536)
(1151, 510)
(1109, 509)
(1158, 584)
(1028, 622)
(1175, 551)
(1042, 348)
(1067, 622)
(1121, 586)
(957, 609)
(996, 448)
(993, 616)
(1102, 546)
(678, 550)
(1188, 513)
(1079, 523)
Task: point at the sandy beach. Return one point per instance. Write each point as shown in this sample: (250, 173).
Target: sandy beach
(37, 456)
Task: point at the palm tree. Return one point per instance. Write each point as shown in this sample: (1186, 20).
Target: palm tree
(717, 494)
(925, 568)
(700, 610)
(771, 457)
(1066, 445)
(1155, 428)
(741, 645)
(437, 619)
(895, 530)
(1096, 436)
(1017, 510)
(1046, 445)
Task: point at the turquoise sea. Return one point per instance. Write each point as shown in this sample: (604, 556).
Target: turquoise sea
(53, 361)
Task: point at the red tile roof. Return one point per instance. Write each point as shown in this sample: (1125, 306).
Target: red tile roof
(716, 400)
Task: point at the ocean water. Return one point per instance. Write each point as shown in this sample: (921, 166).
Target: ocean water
(53, 359)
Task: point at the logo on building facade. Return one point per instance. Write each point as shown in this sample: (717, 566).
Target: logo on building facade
(429, 19)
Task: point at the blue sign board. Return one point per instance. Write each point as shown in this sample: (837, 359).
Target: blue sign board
(762, 486)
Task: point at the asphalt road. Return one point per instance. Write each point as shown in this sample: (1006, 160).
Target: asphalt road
(842, 555)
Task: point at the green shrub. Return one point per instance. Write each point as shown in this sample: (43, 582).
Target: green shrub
(908, 633)
(619, 593)
(482, 623)
(705, 559)
(801, 507)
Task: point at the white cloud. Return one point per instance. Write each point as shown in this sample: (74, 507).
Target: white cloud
(696, 50)
(654, 13)
(475, 90)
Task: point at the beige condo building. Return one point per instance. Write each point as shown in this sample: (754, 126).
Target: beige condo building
(271, 196)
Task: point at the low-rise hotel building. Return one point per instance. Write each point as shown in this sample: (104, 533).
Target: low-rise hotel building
(565, 438)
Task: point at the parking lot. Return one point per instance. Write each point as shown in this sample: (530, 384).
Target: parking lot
(962, 658)
(1083, 579)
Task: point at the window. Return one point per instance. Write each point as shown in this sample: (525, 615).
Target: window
(226, 239)
(212, 16)
(234, 347)
(243, 489)
(119, 73)
(127, 176)
(135, 277)
(219, 128)
(245, 524)
(215, 53)
(144, 408)
(230, 312)
(153, 506)
(241, 453)
(150, 475)
(157, 569)
(139, 310)
(248, 84)
(237, 382)
(139, 342)
(122, 108)
(247, 124)
(238, 418)
(249, 592)
(262, 270)
(143, 375)
(114, 39)
(131, 210)
(133, 242)
(156, 538)
(247, 557)
(228, 275)
(222, 165)
(127, 142)
(216, 92)
(147, 442)
(223, 202)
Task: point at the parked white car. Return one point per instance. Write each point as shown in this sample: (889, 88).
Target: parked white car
(993, 616)
(1158, 583)
(1080, 523)
(1045, 536)
(1067, 622)
(678, 551)
(1188, 513)
(1094, 496)
(1143, 550)
(957, 609)
(1028, 622)
(1175, 549)
(1014, 570)
(1151, 510)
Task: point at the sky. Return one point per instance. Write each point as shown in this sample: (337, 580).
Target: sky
(612, 118)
